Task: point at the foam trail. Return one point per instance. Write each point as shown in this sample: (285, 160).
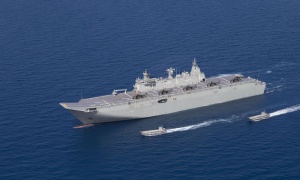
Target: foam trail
(83, 126)
(286, 110)
(275, 89)
(200, 125)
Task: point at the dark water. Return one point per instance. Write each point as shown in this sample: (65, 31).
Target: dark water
(51, 51)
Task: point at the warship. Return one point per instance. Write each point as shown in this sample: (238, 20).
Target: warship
(158, 96)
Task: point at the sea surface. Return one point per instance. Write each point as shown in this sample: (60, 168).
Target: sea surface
(64, 50)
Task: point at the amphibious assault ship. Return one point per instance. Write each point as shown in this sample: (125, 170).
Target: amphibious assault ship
(158, 96)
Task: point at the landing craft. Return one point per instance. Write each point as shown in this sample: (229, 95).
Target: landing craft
(161, 130)
(259, 117)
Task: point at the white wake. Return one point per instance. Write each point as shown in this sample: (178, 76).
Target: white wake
(285, 110)
(200, 125)
(275, 89)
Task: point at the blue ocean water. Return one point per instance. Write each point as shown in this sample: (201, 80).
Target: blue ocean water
(54, 51)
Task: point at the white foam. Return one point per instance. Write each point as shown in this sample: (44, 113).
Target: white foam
(200, 125)
(275, 89)
(285, 110)
(83, 126)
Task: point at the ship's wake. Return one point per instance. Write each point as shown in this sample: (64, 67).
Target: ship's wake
(203, 124)
(276, 86)
(83, 126)
(285, 110)
(275, 89)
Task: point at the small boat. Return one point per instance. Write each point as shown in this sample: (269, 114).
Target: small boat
(161, 130)
(259, 117)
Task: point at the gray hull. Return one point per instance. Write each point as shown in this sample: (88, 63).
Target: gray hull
(170, 103)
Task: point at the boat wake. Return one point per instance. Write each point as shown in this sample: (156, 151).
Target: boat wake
(275, 89)
(203, 124)
(285, 110)
(83, 126)
(276, 86)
